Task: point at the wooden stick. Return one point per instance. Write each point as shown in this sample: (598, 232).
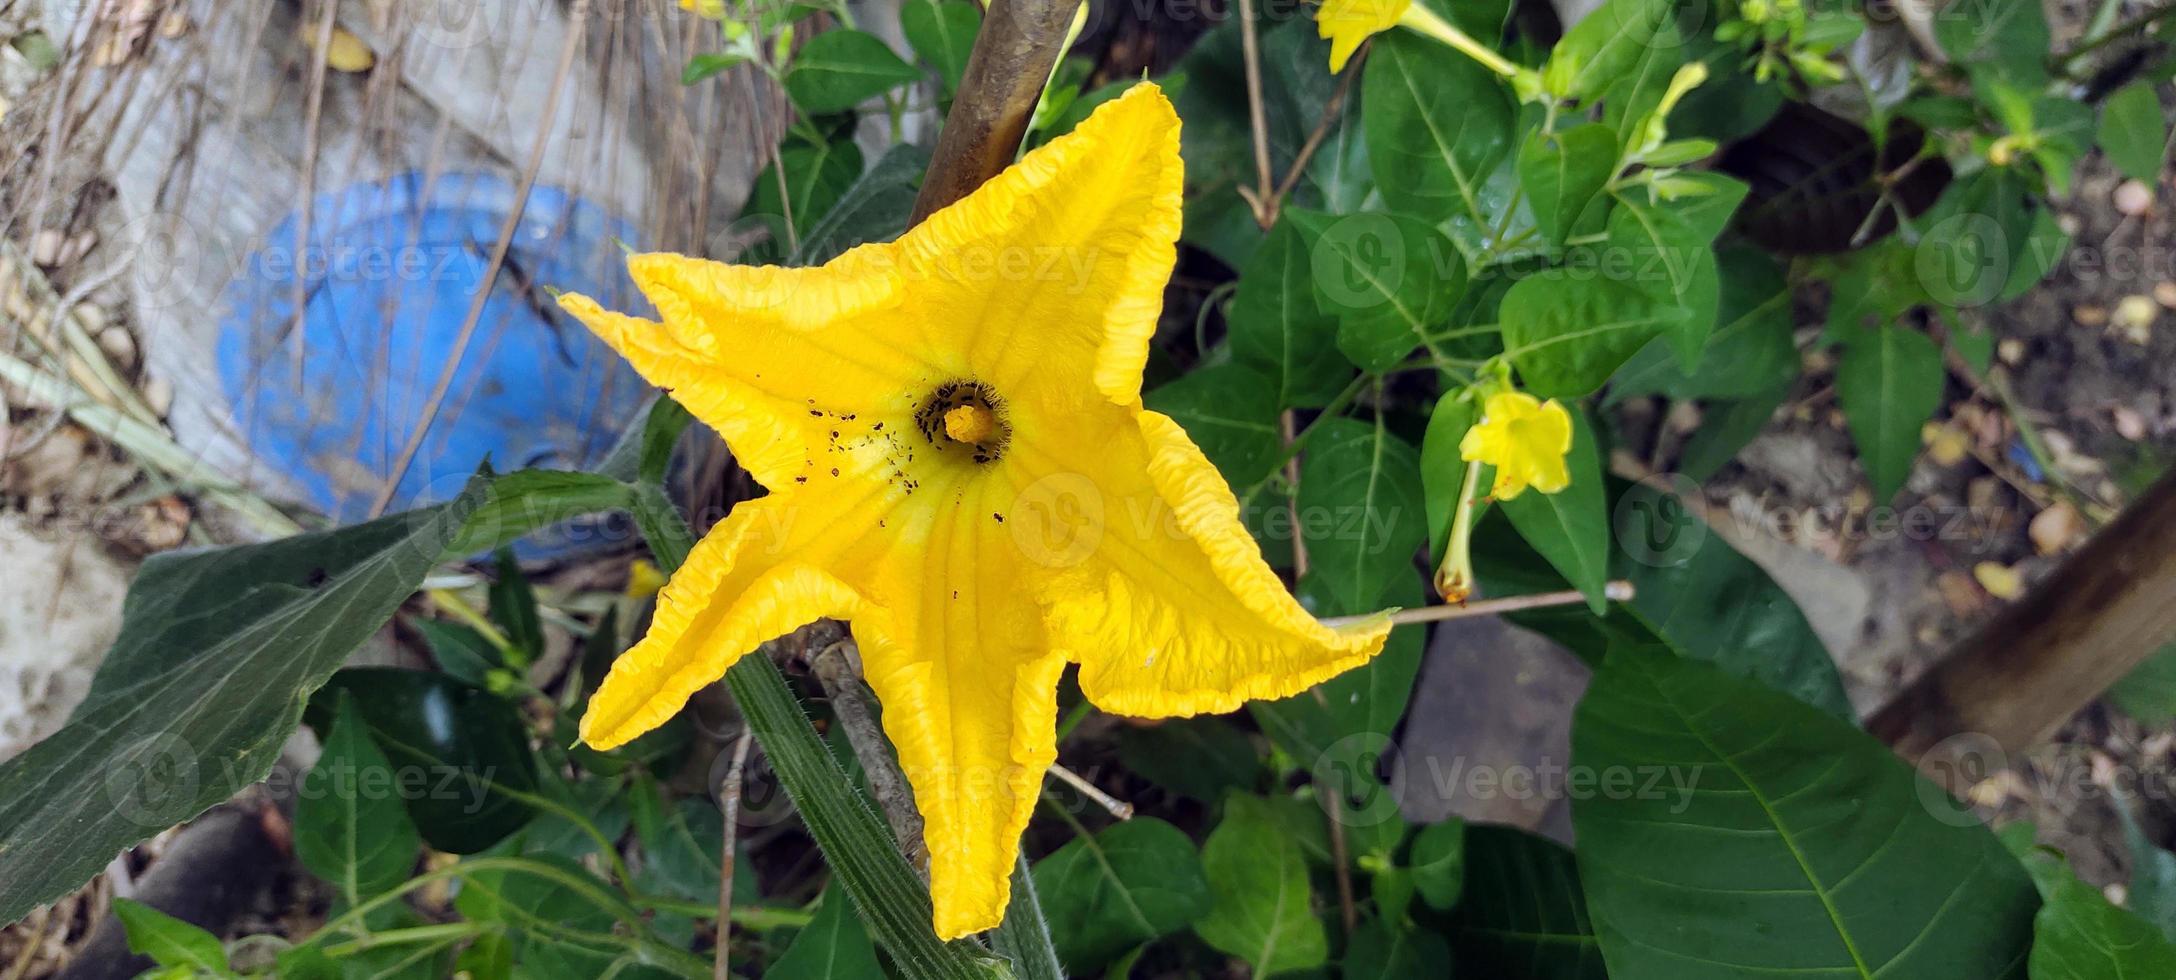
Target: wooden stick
(1617, 591)
(1117, 807)
(1020, 42)
(2016, 680)
(729, 801)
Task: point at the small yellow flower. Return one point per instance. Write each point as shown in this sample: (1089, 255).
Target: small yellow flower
(1525, 438)
(1346, 23)
(643, 579)
(951, 430)
(708, 9)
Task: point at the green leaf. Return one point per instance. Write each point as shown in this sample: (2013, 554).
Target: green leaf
(1277, 326)
(1439, 863)
(817, 178)
(1605, 46)
(839, 68)
(1261, 904)
(350, 826)
(2006, 39)
(1361, 513)
(467, 745)
(513, 608)
(942, 32)
(2080, 935)
(1528, 918)
(1751, 350)
(2133, 132)
(1135, 881)
(460, 651)
(833, 946)
(1564, 172)
(1571, 527)
(875, 209)
(1438, 122)
(1692, 593)
(709, 63)
(683, 846)
(1380, 951)
(169, 941)
(1386, 279)
(1670, 245)
(1566, 333)
(1442, 468)
(527, 500)
(2148, 692)
(1230, 411)
(1756, 807)
(2153, 874)
(217, 651)
(1201, 758)
(1889, 383)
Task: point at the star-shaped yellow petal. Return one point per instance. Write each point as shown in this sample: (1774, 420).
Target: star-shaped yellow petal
(1525, 438)
(951, 431)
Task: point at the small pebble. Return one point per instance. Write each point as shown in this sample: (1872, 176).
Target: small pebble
(2056, 528)
(2134, 318)
(2089, 315)
(2129, 424)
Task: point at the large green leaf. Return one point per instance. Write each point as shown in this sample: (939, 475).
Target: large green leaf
(1567, 332)
(1739, 805)
(2006, 39)
(1360, 507)
(2133, 132)
(169, 941)
(1564, 172)
(1692, 593)
(833, 946)
(1670, 247)
(1750, 351)
(1261, 904)
(1436, 125)
(817, 177)
(2080, 935)
(1380, 951)
(942, 32)
(217, 652)
(1202, 758)
(1230, 411)
(468, 744)
(839, 68)
(1277, 326)
(1605, 46)
(1527, 917)
(1387, 279)
(1889, 383)
(875, 209)
(1570, 528)
(1134, 882)
(350, 826)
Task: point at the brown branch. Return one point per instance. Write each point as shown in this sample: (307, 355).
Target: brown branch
(729, 801)
(850, 704)
(2044, 658)
(1020, 42)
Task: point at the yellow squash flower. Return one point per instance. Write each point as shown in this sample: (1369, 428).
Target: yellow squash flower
(1525, 438)
(951, 430)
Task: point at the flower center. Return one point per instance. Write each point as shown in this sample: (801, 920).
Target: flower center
(970, 423)
(965, 415)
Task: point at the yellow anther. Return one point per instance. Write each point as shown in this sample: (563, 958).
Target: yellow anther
(970, 423)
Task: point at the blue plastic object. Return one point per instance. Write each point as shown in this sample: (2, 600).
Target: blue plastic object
(392, 269)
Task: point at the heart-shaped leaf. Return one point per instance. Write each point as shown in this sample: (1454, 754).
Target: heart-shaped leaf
(1134, 882)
